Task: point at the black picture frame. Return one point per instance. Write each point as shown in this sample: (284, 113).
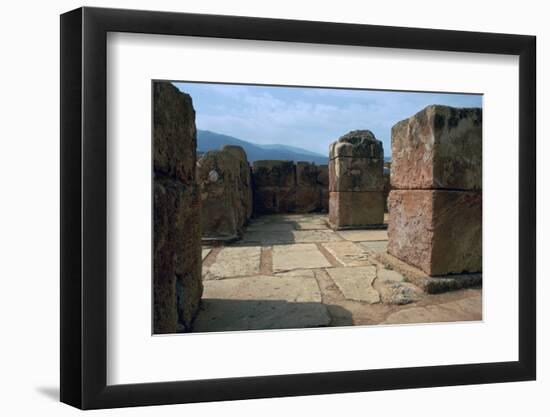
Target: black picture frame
(84, 207)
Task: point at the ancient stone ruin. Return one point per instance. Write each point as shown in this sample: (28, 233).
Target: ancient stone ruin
(226, 193)
(177, 279)
(286, 187)
(356, 183)
(435, 204)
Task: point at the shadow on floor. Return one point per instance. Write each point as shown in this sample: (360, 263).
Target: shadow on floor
(50, 392)
(219, 315)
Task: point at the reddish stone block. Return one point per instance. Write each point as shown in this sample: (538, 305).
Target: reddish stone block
(440, 147)
(438, 231)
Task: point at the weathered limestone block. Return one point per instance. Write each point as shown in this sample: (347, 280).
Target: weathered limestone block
(355, 174)
(308, 199)
(224, 185)
(438, 231)
(245, 175)
(357, 144)
(356, 209)
(440, 147)
(274, 200)
(274, 186)
(274, 174)
(356, 180)
(322, 182)
(322, 176)
(306, 174)
(177, 283)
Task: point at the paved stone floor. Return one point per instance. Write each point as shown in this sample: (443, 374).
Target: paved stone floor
(292, 271)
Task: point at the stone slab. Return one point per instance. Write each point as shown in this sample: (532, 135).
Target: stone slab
(348, 253)
(205, 252)
(356, 283)
(440, 147)
(298, 256)
(235, 262)
(430, 285)
(308, 273)
(260, 303)
(438, 231)
(364, 235)
(467, 309)
(375, 246)
(307, 236)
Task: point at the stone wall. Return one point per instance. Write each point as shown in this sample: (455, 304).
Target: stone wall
(286, 187)
(226, 194)
(435, 202)
(177, 280)
(356, 183)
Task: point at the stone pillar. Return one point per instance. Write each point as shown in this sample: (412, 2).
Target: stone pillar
(177, 283)
(226, 195)
(356, 181)
(274, 186)
(435, 202)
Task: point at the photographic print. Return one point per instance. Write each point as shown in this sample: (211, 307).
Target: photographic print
(280, 207)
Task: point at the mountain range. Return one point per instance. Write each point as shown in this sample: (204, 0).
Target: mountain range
(209, 141)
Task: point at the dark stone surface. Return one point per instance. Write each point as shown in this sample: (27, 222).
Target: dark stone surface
(177, 283)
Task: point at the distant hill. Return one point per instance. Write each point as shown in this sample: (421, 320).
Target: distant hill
(208, 141)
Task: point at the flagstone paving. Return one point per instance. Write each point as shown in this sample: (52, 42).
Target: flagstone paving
(292, 271)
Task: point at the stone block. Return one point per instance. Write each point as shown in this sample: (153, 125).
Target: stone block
(306, 174)
(438, 231)
(440, 147)
(308, 199)
(174, 133)
(322, 176)
(274, 200)
(226, 193)
(274, 174)
(177, 283)
(177, 286)
(357, 144)
(356, 174)
(356, 209)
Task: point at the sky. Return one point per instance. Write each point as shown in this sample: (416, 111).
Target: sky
(310, 118)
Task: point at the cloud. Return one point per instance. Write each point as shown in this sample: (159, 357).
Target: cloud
(310, 118)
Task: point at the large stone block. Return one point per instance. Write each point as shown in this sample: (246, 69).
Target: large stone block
(174, 133)
(356, 209)
(274, 174)
(322, 176)
(177, 283)
(308, 199)
(356, 174)
(245, 179)
(440, 147)
(222, 209)
(306, 174)
(438, 231)
(274, 200)
(357, 144)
